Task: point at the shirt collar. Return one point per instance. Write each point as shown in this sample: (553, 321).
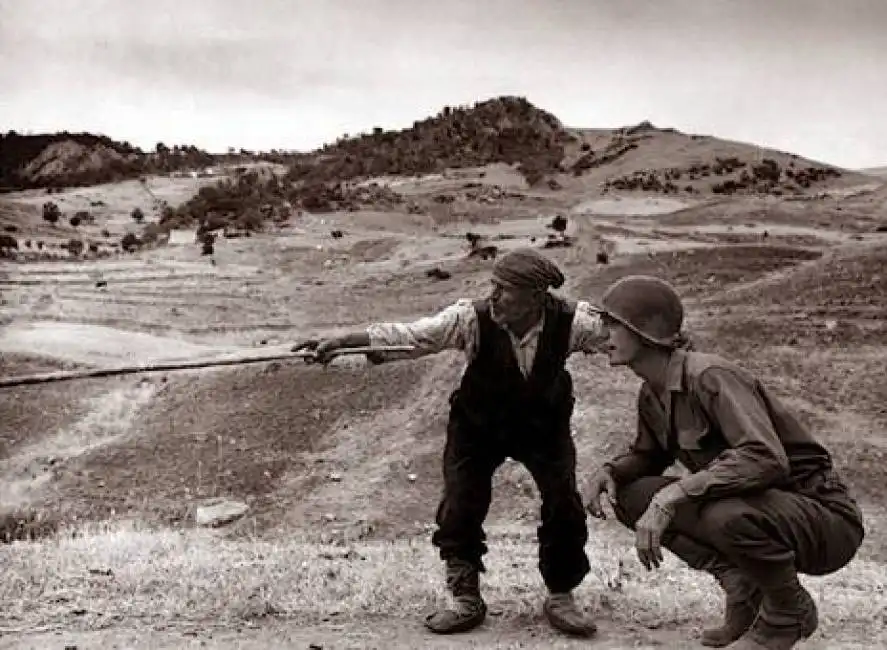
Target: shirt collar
(674, 373)
(530, 334)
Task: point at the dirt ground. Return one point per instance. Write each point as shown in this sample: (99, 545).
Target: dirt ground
(376, 636)
(792, 289)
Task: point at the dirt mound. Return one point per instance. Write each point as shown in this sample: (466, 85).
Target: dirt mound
(261, 424)
(840, 300)
(701, 271)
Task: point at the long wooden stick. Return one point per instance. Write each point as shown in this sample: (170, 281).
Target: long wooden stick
(65, 375)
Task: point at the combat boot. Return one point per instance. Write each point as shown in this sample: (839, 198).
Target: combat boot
(468, 609)
(788, 615)
(743, 597)
(741, 610)
(564, 615)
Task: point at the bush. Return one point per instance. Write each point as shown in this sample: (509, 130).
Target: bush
(130, 242)
(51, 212)
(74, 246)
(137, 215)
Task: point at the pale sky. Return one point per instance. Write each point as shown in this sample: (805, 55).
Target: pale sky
(805, 76)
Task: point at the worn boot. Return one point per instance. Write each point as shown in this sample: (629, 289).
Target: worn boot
(788, 615)
(743, 602)
(743, 597)
(468, 610)
(564, 615)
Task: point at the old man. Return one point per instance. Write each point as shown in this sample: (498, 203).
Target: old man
(515, 400)
(761, 503)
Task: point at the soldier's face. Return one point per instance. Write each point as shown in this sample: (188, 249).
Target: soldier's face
(512, 304)
(623, 345)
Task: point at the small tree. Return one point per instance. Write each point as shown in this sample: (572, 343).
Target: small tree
(138, 216)
(130, 242)
(51, 212)
(8, 242)
(75, 247)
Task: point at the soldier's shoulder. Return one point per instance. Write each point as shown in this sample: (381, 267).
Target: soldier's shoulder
(698, 362)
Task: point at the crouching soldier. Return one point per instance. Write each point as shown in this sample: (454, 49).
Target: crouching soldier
(762, 502)
(515, 400)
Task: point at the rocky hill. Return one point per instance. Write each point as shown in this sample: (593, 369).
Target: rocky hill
(76, 159)
(505, 129)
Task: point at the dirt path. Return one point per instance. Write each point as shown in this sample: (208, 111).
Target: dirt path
(392, 634)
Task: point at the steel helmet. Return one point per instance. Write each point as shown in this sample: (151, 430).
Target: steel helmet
(648, 306)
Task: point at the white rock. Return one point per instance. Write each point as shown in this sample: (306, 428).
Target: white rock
(218, 514)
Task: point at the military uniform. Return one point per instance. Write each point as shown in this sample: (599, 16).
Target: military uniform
(763, 492)
(762, 501)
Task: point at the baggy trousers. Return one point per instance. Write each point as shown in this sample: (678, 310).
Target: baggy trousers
(816, 531)
(471, 457)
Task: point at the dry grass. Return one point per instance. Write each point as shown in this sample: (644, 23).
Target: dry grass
(128, 573)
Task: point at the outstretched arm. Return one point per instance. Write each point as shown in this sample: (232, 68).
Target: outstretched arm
(452, 328)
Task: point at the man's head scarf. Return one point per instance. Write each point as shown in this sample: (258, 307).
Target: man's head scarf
(526, 267)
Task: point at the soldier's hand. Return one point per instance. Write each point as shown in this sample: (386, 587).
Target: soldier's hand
(601, 483)
(648, 534)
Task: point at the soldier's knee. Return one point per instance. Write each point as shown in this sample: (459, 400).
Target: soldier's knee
(632, 499)
(726, 520)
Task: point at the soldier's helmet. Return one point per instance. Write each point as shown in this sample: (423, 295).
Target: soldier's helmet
(648, 306)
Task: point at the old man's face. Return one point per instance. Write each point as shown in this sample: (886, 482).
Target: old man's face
(511, 304)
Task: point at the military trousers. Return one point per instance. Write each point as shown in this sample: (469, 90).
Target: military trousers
(815, 529)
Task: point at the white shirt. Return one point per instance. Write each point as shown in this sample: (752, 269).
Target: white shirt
(456, 328)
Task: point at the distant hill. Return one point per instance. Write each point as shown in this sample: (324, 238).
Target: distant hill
(648, 159)
(74, 159)
(875, 171)
(505, 129)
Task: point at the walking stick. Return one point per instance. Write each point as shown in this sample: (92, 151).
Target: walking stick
(307, 355)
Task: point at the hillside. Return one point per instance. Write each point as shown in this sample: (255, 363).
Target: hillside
(505, 129)
(644, 158)
(372, 170)
(81, 159)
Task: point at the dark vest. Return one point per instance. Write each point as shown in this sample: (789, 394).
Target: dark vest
(493, 390)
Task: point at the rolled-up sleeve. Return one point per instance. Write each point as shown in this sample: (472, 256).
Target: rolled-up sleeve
(588, 332)
(646, 457)
(756, 458)
(452, 328)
